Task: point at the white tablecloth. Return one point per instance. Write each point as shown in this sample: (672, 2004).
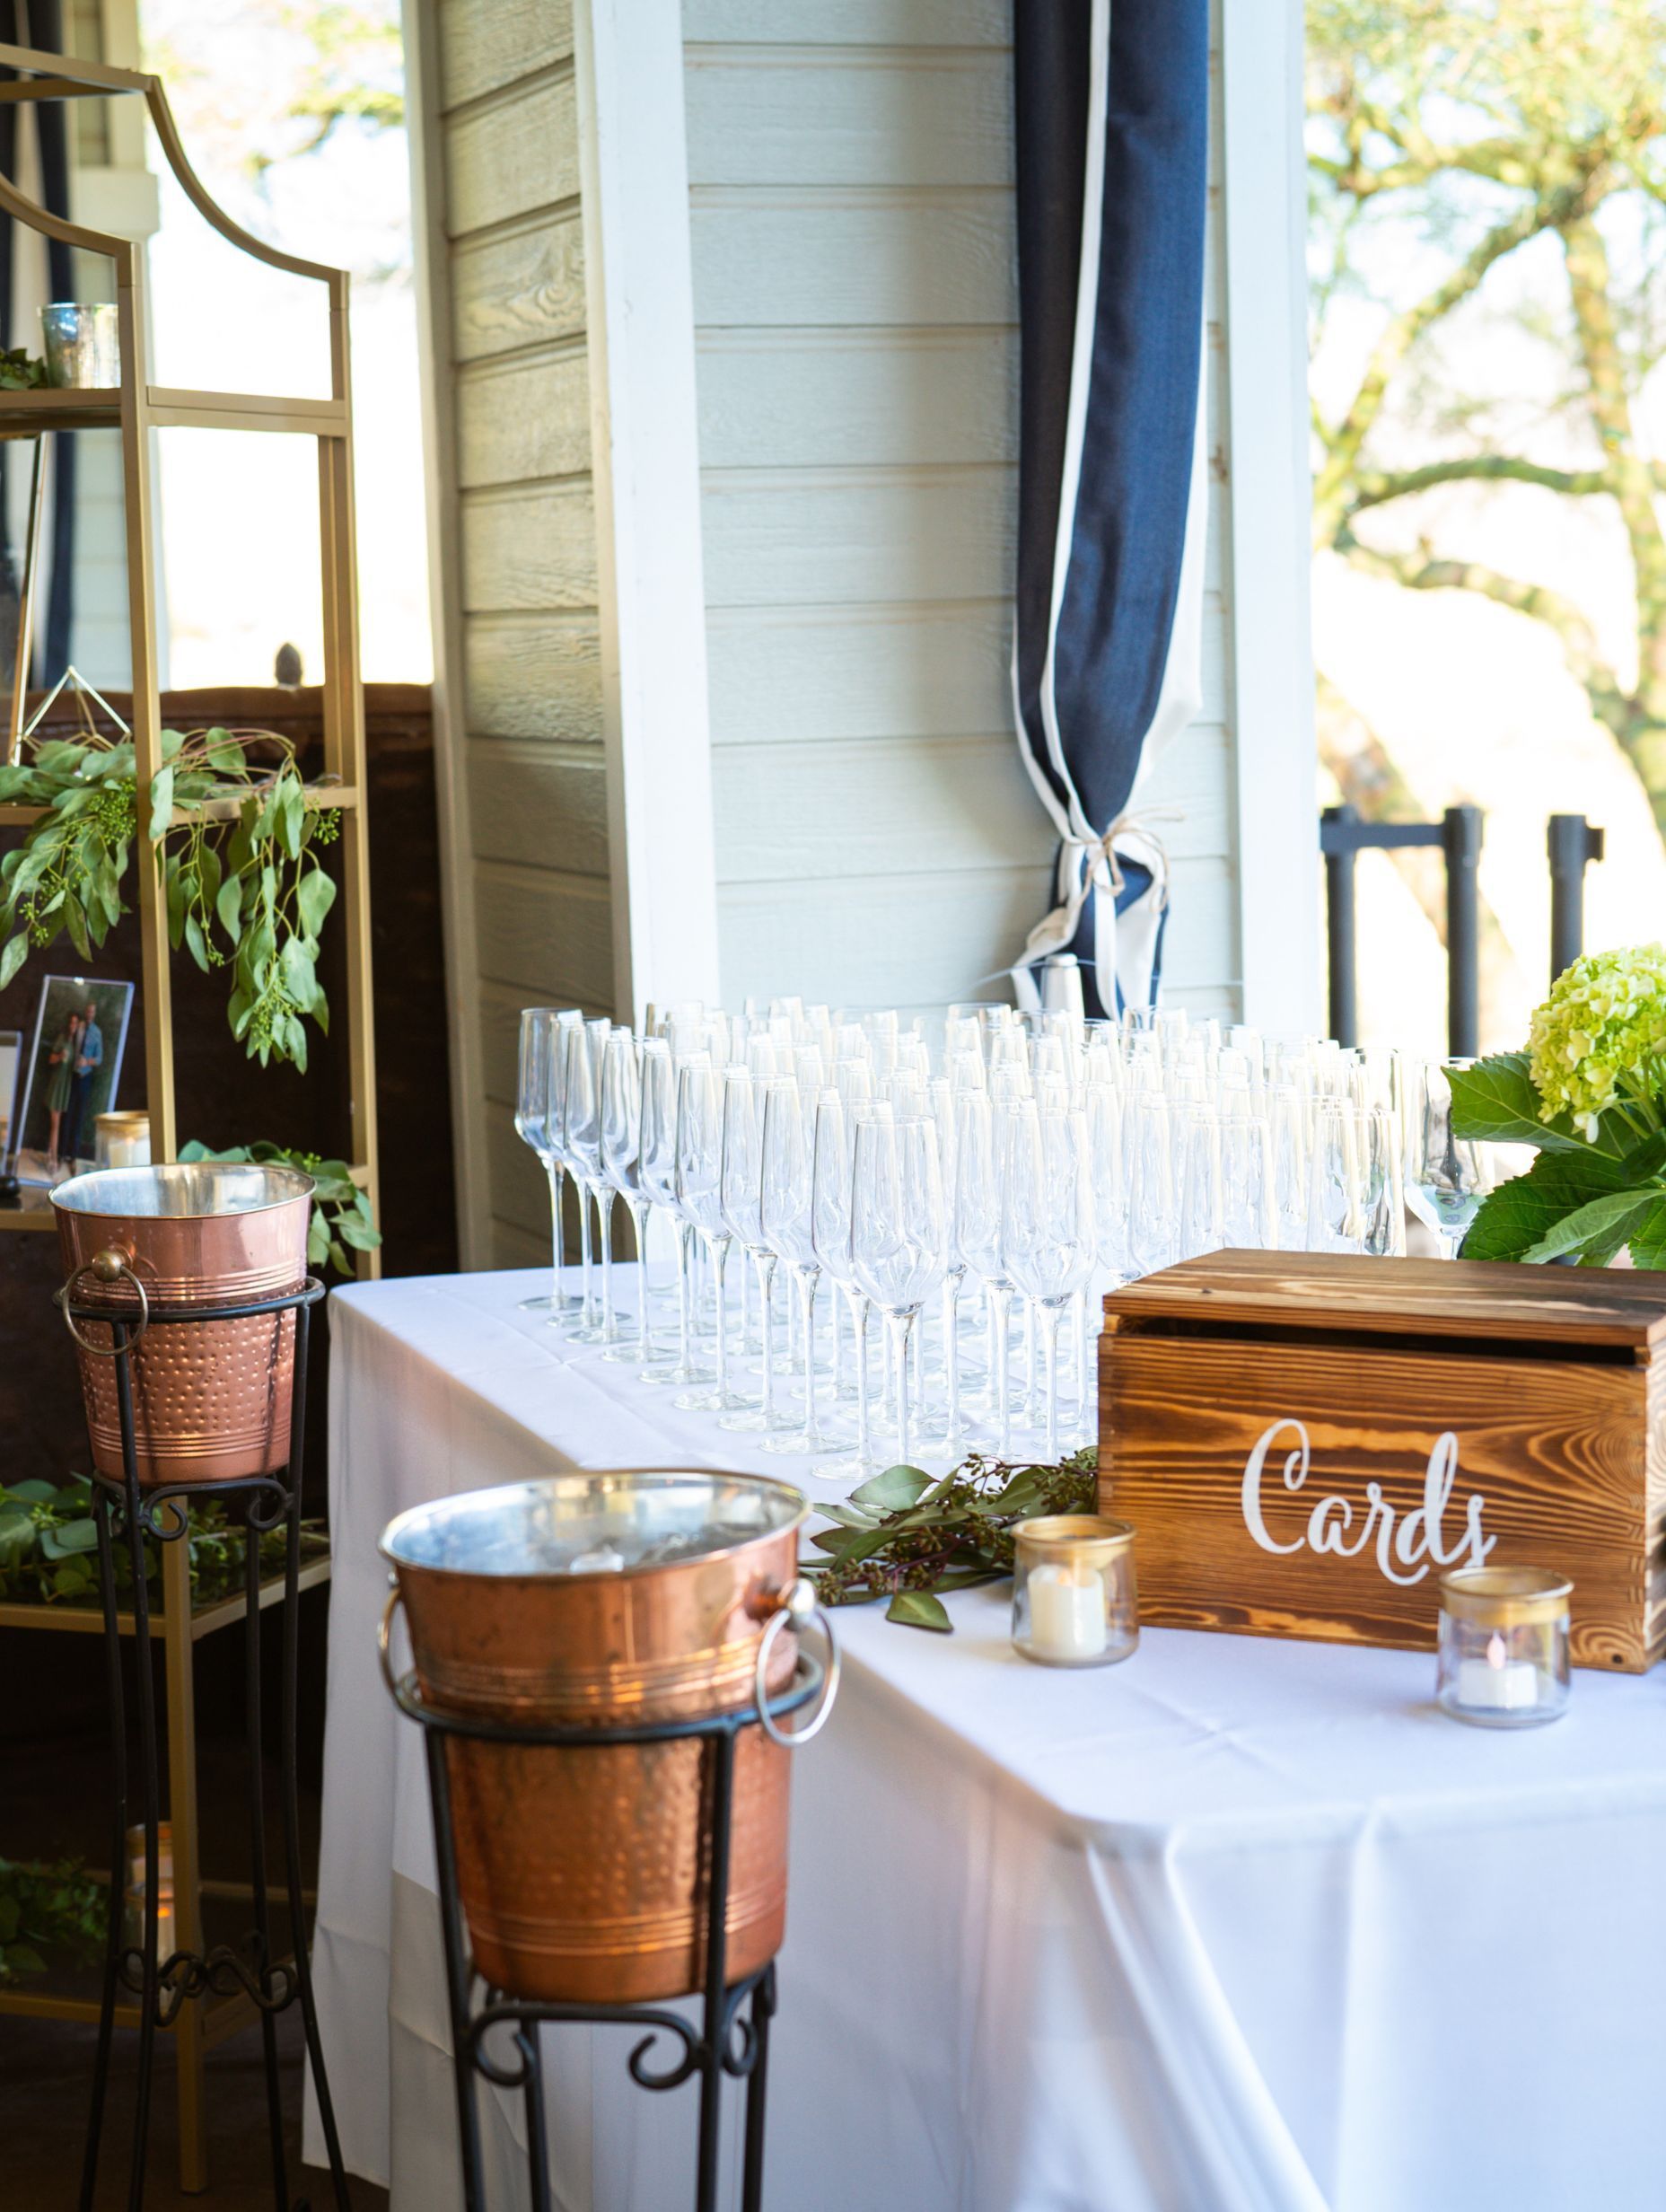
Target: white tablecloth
(1240, 1926)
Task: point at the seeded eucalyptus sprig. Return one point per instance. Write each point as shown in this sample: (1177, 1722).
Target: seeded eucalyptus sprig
(905, 1538)
(245, 892)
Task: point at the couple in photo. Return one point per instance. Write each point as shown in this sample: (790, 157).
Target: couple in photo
(77, 1056)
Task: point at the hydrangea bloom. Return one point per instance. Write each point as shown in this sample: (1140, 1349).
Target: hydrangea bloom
(1601, 1035)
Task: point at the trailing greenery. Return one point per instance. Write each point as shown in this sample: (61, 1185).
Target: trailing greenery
(49, 1548)
(341, 1211)
(1591, 1097)
(245, 892)
(907, 1538)
(48, 1905)
(21, 371)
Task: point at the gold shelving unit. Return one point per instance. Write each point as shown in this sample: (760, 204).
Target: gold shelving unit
(135, 408)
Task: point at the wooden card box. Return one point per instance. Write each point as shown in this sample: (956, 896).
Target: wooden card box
(1287, 1431)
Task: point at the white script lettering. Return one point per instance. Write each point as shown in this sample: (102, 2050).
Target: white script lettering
(1418, 1541)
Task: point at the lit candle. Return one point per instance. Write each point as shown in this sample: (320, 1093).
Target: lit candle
(1497, 1683)
(1067, 1612)
(1503, 1641)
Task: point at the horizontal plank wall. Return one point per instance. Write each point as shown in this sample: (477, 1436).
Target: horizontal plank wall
(852, 224)
(529, 894)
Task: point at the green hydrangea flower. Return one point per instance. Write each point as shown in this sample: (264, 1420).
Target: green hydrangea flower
(1600, 1038)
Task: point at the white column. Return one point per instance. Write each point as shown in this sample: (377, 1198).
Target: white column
(1271, 489)
(645, 442)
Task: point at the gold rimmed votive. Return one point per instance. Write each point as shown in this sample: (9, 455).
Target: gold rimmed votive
(1075, 1600)
(1503, 1651)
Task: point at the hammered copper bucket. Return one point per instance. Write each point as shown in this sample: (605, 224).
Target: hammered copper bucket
(210, 1403)
(612, 1598)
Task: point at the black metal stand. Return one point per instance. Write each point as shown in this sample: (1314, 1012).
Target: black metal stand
(122, 1511)
(733, 2032)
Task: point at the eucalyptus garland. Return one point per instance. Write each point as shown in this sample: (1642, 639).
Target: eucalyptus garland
(910, 1538)
(46, 1906)
(244, 887)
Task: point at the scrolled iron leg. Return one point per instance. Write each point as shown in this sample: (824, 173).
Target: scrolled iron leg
(257, 1847)
(150, 1981)
(291, 1811)
(456, 1976)
(756, 2092)
(116, 1903)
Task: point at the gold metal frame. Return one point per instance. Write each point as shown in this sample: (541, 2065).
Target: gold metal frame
(135, 408)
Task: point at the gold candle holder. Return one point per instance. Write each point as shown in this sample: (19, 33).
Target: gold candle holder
(1503, 1646)
(1075, 1600)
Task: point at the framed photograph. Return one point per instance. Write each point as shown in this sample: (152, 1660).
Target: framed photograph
(11, 1068)
(74, 1065)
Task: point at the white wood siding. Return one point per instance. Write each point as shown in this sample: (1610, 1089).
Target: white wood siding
(852, 223)
(528, 790)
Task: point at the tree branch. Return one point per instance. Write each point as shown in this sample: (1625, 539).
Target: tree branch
(1375, 487)
(1331, 491)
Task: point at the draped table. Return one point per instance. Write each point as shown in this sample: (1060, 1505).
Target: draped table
(1238, 1926)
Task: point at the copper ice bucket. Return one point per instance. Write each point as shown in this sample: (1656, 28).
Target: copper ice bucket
(612, 1598)
(210, 1402)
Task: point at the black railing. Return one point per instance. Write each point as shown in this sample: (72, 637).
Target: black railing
(1572, 843)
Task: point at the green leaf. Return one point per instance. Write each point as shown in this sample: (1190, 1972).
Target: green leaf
(1611, 1216)
(1648, 1237)
(339, 1259)
(318, 1239)
(75, 922)
(194, 942)
(13, 955)
(1518, 1214)
(894, 1491)
(229, 905)
(354, 1231)
(223, 752)
(162, 804)
(68, 1537)
(315, 896)
(295, 966)
(24, 1958)
(292, 811)
(1496, 1100)
(918, 1609)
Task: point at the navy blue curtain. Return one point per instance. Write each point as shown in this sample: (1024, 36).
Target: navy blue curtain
(1111, 117)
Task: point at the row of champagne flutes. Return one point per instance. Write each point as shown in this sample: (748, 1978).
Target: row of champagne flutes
(967, 1187)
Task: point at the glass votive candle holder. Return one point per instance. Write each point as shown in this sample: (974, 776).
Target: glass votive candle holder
(122, 1139)
(1503, 1660)
(83, 344)
(1074, 1601)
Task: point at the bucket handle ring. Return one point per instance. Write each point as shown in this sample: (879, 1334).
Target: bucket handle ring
(797, 1606)
(108, 1266)
(384, 1639)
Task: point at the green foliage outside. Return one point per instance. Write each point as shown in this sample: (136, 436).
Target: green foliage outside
(1491, 131)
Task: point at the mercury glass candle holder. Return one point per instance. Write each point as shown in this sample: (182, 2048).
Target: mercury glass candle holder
(1075, 1601)
(1503, 1660)
(83, 344)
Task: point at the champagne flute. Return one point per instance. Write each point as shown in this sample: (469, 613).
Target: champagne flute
(1151, 1221)
(830, 1179)
(897, 1233)
(532, 1087)
(740, 1191)
(1447, 1179)
(621, 1163)
(1249, 1211)
(978, 1234)
(698, 1178)
(787, 1216)
(584, 1144)
(1046, 1229)
(1333, 1215)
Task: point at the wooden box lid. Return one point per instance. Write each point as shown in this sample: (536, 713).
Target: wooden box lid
(1570, 1307)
